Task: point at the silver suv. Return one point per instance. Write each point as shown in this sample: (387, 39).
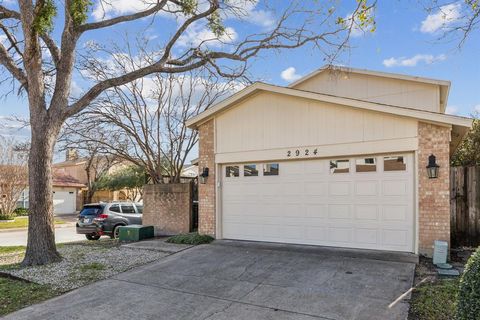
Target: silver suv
(98, 219)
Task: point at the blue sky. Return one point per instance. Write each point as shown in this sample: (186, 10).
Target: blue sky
(405, 41)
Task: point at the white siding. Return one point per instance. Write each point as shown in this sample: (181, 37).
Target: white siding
(383, 90)
(270, 121)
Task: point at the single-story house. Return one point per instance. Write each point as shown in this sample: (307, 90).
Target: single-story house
(337, 158)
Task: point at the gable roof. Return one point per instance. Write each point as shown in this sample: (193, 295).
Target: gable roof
(355, 103)
(443, 84)
(460, 125)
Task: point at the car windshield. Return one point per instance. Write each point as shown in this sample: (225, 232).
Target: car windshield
(140, 208)
(91, 211)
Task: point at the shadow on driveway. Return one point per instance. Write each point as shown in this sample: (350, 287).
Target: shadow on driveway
(234, 280)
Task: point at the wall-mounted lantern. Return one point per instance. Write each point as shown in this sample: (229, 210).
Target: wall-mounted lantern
(204, 175)
(432, 168)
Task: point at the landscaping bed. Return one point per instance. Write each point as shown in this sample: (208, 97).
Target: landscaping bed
(83, 263)
(435, 298)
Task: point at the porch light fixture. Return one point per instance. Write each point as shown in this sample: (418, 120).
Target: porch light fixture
(432, 168)
(204, 175)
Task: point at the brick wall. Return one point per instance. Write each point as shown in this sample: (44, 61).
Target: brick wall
(206, 192)
(434, 194)
(168, 207)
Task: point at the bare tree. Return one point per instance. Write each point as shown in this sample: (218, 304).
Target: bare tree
(43, 67)
(143, 122)
(13, 175)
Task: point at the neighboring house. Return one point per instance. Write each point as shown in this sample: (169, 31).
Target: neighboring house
(337, 158)
(76, 167)
(66, 194)
(190, 171)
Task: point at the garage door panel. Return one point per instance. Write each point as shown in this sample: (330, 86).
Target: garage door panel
(315, 234)
(394, 187)
(283, 231)
(340, 211)
(366, 188)
(395, 237)
(367, 213)
(395, 213)
(339, 234)
(316, 188)
(339, 188)
(316, 167)
(368, 236)
(317, 210)
(306, 203)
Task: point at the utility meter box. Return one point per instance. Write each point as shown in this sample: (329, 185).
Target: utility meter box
(440, 252)
(135, 233)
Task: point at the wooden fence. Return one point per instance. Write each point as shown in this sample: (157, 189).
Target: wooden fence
(465, 206)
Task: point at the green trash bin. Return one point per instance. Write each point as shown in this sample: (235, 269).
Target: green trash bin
(135, 233)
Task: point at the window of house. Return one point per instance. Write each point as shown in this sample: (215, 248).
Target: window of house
(394, 163)
(366, 165)
(339, 166)
(128, 208)
(250, 170)
(232, 171)
(270, 169)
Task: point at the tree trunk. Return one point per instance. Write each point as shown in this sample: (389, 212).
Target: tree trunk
(90, 193)
(41, 247)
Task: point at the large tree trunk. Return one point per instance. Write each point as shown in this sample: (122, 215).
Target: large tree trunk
(41, 247)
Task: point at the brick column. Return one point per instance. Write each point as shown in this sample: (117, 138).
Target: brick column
(206, 192)
(434, 194)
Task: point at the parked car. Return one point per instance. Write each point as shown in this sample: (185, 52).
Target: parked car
(98, 219)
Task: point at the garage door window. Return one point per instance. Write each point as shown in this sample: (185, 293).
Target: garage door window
(231, 171)
(366, 165)
(339, 166)
(394, 163)
(270, 169)
(250, 170)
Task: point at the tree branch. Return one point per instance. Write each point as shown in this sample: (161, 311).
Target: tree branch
(110, 22)
(7, 61)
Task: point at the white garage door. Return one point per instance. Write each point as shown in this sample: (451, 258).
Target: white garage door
(364, 202)
(64, 202)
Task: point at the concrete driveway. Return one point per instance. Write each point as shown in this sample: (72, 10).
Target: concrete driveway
(235, 280)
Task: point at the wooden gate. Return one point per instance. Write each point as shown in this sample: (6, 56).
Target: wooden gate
(465, 206)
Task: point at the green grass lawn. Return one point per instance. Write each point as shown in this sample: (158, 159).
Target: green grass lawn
(434, 300)
(11, 249)
(22, 222)
(15, 294)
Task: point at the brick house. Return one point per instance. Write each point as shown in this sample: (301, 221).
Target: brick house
(337, 158)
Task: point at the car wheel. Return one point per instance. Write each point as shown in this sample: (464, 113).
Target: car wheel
(116, 232)
(92, 237)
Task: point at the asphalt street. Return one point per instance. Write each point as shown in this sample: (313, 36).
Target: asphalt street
(19, 237)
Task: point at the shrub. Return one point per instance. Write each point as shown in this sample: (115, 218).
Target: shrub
(190, 238)
(20, 212)
(7, 216)
(468, 298)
